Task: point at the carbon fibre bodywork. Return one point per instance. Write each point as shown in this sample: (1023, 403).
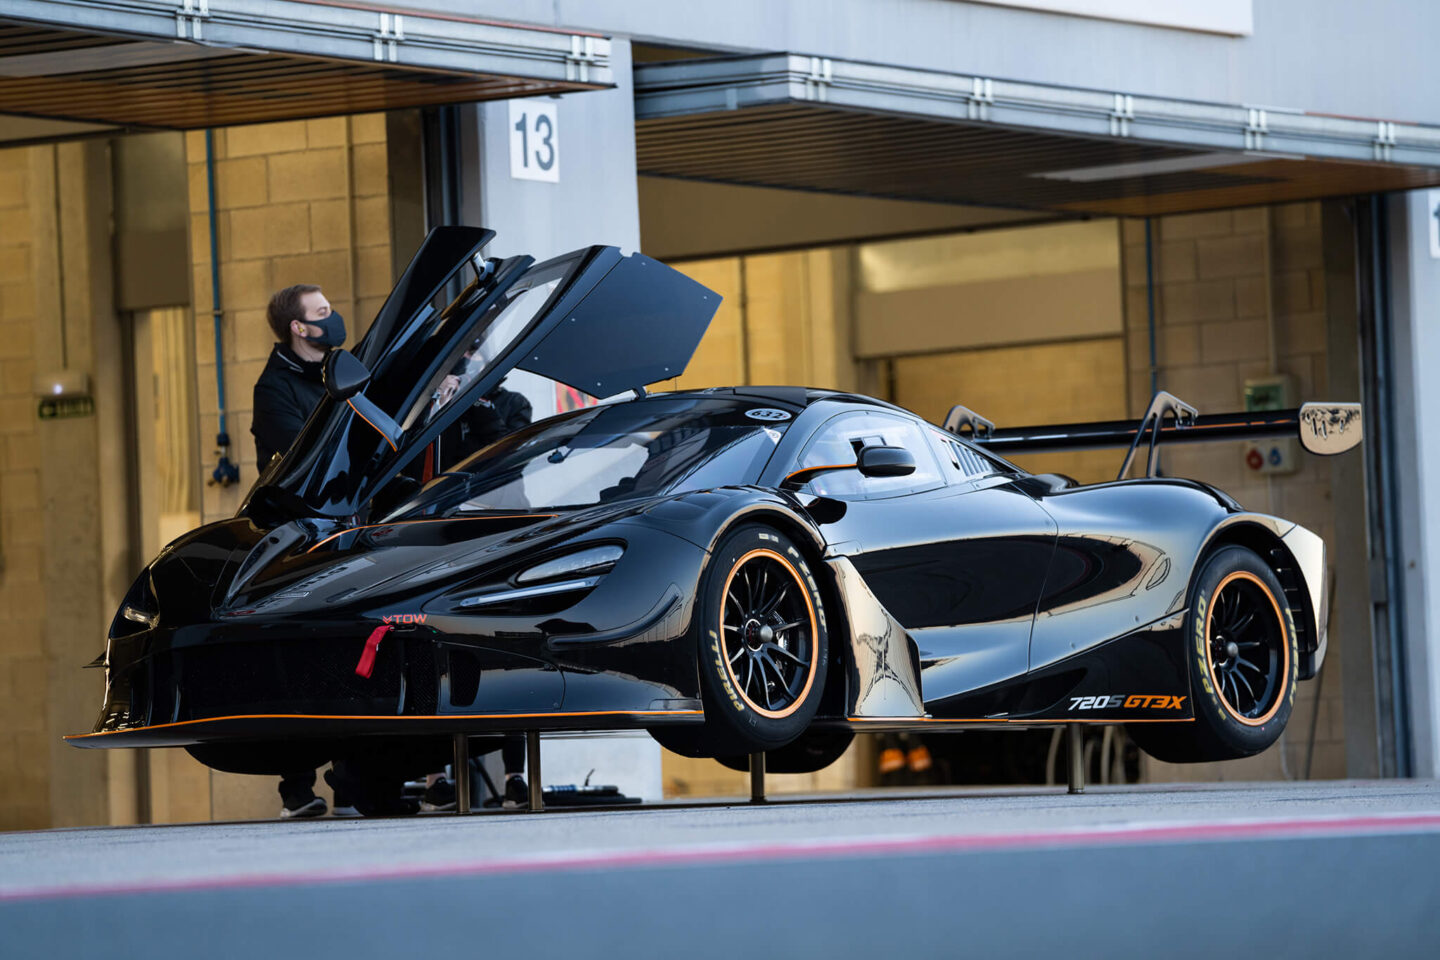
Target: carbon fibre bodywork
(997, 601)
(969, 593)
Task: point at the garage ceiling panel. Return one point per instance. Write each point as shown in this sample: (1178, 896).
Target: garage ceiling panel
(809, 123)
(169, 65)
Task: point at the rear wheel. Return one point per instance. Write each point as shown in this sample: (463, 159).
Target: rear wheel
(1243, 663)
(762, 642)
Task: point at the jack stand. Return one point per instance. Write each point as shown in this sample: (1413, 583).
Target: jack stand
(460, 773)
(757, 778)
(532, 765)
(1076, 741)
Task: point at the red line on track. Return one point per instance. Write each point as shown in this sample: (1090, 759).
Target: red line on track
(911, 845)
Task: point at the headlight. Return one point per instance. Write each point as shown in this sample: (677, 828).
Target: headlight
(136, 615)
(568, 574)
(592, 561)
(139, 611)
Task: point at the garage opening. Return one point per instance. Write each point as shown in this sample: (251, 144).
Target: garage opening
(1043, 256)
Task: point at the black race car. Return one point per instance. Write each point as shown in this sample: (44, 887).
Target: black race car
(735, 570)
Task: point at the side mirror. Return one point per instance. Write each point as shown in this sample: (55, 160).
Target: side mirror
(886, 462)
(345, 374)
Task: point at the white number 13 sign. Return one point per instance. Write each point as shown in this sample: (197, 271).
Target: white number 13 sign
(534, 140)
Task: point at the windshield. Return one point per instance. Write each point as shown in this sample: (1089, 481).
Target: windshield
(641, 448)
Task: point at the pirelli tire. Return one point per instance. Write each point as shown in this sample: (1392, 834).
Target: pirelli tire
(1244, 659)
(762, 643)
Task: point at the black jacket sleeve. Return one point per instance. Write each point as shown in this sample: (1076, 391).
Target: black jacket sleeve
(276, 421)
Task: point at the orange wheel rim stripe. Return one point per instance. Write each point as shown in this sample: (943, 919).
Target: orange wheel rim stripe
(814, 637)
(1284, 649)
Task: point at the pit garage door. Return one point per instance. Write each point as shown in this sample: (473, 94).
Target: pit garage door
(813, 123)
(77, 67)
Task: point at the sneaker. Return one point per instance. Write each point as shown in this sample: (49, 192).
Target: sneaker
(344, 810)
(517, 795)
(314, 807)
(440, 795)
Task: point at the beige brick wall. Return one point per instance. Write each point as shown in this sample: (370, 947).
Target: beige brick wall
(784, 320)
(1211, 335)
(1015, 386)
(62, 484)
(24, 742)
(299, 202)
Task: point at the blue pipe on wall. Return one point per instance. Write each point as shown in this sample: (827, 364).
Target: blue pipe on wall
(225, 472)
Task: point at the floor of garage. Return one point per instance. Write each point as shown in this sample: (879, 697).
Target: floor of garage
(1322, 869)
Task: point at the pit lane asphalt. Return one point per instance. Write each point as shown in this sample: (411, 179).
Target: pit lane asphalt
(1328, 869)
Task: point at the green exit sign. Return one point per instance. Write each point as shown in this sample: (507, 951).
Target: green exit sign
(1267, 393)
(62, 408)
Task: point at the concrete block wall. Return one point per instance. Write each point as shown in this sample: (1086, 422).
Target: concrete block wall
(784, 319)
(63, 541)
(23, 734)
(299, 202)
(1211, 335)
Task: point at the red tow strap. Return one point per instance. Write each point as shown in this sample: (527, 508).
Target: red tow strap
(366, 666)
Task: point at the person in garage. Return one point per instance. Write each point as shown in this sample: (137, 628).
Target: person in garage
(289, 389)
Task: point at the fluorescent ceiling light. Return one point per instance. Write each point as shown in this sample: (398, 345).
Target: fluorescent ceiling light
(1147, 168)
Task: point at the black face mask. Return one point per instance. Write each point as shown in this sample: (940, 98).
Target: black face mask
(333, 330)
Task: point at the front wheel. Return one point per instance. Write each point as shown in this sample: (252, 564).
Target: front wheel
(763, 643)
(1244, 660)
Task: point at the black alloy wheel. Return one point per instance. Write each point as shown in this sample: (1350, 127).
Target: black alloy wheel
(1247, 647)
(768, 633)
(761, 640)
(1240, 639)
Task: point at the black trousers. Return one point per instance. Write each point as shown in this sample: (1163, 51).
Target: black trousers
(512, 753)
(298, 788)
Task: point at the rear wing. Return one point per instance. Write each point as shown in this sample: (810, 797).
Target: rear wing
(1322, 428)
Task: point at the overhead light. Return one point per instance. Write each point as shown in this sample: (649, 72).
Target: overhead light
(62, 384)
(1149, 168)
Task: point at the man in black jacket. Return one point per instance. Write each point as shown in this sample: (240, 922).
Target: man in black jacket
(289, 389)
(291, 384)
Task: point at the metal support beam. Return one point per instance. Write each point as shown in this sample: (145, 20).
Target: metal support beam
(1076, 741)
(532, 765)
(757, 778)
(460, 773)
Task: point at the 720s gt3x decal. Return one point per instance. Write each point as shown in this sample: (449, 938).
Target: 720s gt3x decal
(1142, 701)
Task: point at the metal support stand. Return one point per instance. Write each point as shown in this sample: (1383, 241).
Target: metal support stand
(532, 764)
(1076, 742)
(460, 773)
(757, 778)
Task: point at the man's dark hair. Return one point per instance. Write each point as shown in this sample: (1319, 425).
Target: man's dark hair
(285, 307)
